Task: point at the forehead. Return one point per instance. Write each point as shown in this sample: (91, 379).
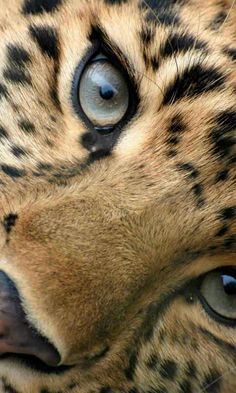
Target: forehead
(153, 39)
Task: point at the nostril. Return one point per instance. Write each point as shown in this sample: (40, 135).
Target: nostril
(9, 221)
(17, 336)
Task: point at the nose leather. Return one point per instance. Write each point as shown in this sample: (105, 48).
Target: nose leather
(17, 336)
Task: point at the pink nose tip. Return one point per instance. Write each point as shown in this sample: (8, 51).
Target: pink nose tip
(17, 336)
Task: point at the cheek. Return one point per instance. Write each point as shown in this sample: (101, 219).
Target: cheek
(66, 275)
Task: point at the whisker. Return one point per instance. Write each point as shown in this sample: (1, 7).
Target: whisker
(228, 15)
(205, 388)
(150, 80)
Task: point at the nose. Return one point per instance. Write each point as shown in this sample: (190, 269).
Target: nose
(17, 335)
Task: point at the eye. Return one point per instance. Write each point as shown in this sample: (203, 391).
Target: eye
(103, 92)
(218, 294)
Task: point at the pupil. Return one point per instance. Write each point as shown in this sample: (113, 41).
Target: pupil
(229, 284)
(107, 91)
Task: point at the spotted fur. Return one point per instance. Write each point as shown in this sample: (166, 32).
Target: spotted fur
(103, 237)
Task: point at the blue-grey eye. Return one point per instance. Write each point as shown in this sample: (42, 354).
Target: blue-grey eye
(103, 93)
(218, 290)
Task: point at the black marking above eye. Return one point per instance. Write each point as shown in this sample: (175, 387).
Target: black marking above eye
(17, 75)
(35, 7)
(17, 55)
(115, 2)
(193, 82)
(176, 43)
(47, 39)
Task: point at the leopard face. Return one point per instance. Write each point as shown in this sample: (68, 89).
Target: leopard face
(118, 203)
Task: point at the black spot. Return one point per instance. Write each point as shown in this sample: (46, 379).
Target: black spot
(26, 126)
(193, 82)
(53, 119)
(35, 7)
(17, 75)
(105, 389)
(173, 139)
(230, 243)
(18, 151)
(130, 370)
(3, 91)
(222, 175)
(9, 222)
(222, 231)
(226, 120)
(44, 391)
(231, 52)
(54, 96)
(168, 369)
(176, 124)
(212, 382)
(189, 168)
(177, 43)
(47, 39)
(191, 369)
(198, 192)
(228, 213)
(154, 63)
(171, 153)
(3, 133)
(175, 128)
(186, 386)
(44, 166)
(152, 362)
(72, 385)
(164, 17)
(162, 5)
(17, 55)
(13, 172)
(220, 136)
(115, 2)
(218, 21)
(167, 18)
(146, 35)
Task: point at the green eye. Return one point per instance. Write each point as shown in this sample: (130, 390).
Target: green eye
(103, 93)
(218, 292)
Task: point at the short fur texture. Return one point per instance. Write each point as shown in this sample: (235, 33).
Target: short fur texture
(99, 245)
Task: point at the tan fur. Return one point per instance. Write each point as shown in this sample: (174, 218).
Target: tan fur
(90, 255)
